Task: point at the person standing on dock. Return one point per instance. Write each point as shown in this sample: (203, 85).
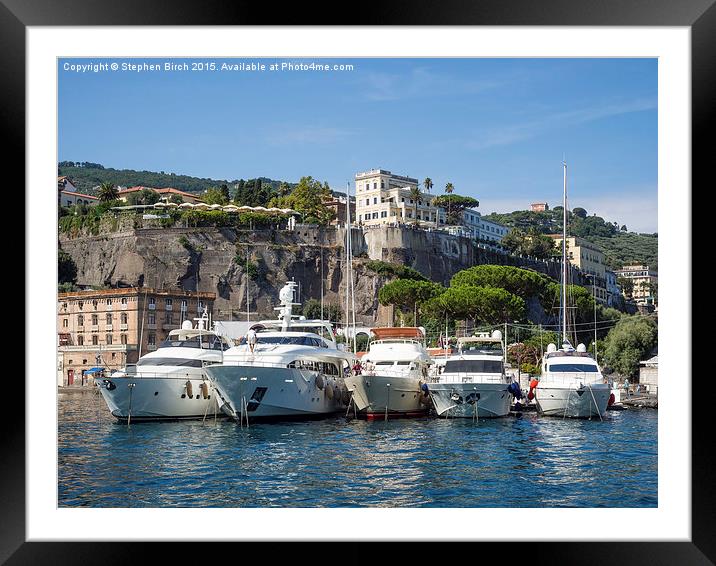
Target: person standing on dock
(251, 339)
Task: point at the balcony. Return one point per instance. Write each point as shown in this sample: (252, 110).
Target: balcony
(99, 348)
(152, 325)
(124, 326)
(152, 306)
(151, 347)
(108, 327)
(94, 328)
(169, 307)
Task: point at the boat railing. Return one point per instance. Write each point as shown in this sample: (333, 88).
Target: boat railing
(379, 371)
(155, 375)
(467, 377)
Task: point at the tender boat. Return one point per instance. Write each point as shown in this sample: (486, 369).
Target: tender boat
(295, 370)
(472, 382)
(395, 369)
(169, 383)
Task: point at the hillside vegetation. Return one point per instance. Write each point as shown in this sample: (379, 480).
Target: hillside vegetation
(87, 175)
(620, 246)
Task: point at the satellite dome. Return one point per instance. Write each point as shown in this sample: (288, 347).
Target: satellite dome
(497, 334)
(551, 347)
(581, 348)
(186, 325)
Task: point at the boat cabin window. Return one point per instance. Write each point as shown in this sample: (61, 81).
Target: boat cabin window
(572, 367)
(314, 341)
(482, 348)
(473, 366)
(183, 362)
(325, 368)
(208, 342)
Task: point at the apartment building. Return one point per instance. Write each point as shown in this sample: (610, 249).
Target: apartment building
(590, 260)
(644, 283)
(113, 327)
(385, 198)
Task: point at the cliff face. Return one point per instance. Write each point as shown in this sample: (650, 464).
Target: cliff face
(214, 260)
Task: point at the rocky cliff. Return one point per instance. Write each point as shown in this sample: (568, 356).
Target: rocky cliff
(215, 260)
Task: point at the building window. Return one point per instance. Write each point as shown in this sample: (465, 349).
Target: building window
(201, 306)
(169, 318)
(183, 304)
(95, 340)
(382, 184)
(95, 320)
(124, 318)
(109, 339)
(109, 319)
(367, 202)
(80, 304)
(152, 302)
(109, 302)
(152, 318)
(80, 320)
(168, 302)
(375, 185)
(152, 339)
(124, 300)
(80, 340)
(375, 200)
(95, 303)
(123, 338)
(64, 306)
(65, 323)
(375, 215)
(384, 214)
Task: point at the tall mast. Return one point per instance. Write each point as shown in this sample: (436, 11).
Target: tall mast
(564, 255)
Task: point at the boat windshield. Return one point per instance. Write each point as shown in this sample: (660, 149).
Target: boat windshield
(284, 340)
(482, 348)
(572, 368)
(208, 342)
(473, 366)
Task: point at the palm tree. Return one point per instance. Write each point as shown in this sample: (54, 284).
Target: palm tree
(448, 189)
(107, 192)
(428, 184)
(416, 195)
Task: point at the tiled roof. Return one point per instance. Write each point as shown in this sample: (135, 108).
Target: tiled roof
(76, 194)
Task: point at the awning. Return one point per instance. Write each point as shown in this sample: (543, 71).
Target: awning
(94, 370)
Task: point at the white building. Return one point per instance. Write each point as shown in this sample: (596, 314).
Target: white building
(67, 194)
(614, 292)
(385, 198)
(492, 231)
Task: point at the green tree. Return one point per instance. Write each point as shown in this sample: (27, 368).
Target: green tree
(579, 212)
(488, 305)
(215, 195)
(107, 192)
(518, 281)
(308, 199)
(224, 188)
(239, 196)
(408, 293)
(428, 184)
(456, 205)
(627, 286)
(312, 310)
(145, 196)
(176, 199)
(66, 268)
(415, 195)
(630, 341)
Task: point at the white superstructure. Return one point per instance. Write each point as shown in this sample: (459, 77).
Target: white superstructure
(472, 382)
(393, 371)
(294, 371)
(170, 382)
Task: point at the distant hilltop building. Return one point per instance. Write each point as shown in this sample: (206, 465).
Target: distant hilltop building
(539, 206)
(644, 283)
(590, 260)
(384, 198)
(67, 194)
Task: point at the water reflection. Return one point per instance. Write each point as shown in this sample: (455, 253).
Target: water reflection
(511, 462)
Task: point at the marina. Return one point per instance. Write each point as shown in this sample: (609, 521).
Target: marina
(515, 461)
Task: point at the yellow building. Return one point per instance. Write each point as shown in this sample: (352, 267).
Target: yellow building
(645, 282)
(113, 327)
(590, 260)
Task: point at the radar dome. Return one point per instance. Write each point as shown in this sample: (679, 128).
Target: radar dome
(497, 334)
(551, 347)
(186, 325)
(581, 348)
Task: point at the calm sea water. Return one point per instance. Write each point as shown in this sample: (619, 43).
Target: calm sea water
(522, 461)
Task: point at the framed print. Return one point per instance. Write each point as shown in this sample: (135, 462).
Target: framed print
(266, 217)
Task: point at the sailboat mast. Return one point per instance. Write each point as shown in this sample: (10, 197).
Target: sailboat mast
(564, 254)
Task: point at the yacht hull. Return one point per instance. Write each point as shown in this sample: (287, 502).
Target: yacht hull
(145, 398)
(574, 401)
(376, 396)
(256, 392)
(458, 399)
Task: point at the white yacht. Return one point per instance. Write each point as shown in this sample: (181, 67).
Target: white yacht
(169, 383)
(571, 384)
(472, 382)
(395, 369)
(295, 369)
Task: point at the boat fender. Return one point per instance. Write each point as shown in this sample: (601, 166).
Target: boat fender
(319, 381)
(204, 390)
(329, 391)
(514, 390)
(424, 388)
(611, 400)
(189, 389)
(109, 385)
(533, 385)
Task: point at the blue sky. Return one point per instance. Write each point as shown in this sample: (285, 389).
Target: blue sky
(496, 128)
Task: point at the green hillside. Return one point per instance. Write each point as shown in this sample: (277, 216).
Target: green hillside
(86, 175)
(620, 246)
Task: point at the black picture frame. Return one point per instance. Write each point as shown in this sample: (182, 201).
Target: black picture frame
(699, 15)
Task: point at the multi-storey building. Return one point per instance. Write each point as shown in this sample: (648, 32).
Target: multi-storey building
(644, 284)
(67, 194)
(114, 327)
(590, 260)
(338, 205)
(614, 292)
(164, 194)
(385, 198)
(539, 206)
(492, 231)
